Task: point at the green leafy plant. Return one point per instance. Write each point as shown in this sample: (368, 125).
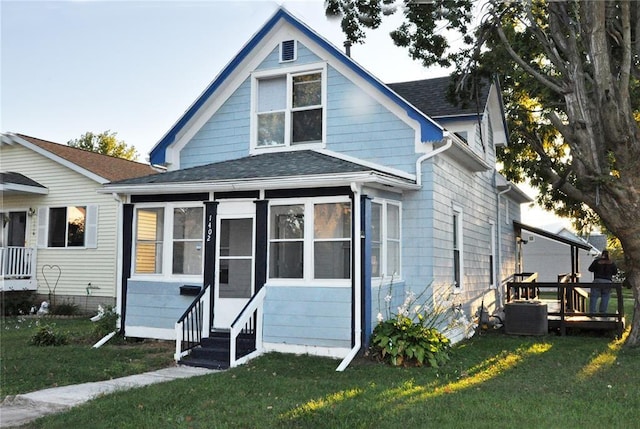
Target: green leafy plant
(47, 335)
(410, 336)
(107, 322)
(67, 308)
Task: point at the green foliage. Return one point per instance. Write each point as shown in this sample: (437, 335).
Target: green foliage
(107, 323)
(48, 335)
(14, 303)
(403, 341)
(105, 143)
(67, 308)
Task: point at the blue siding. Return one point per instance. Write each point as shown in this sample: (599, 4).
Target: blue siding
(359, 126)
(305, 315)
(225, 135)
(155, 304)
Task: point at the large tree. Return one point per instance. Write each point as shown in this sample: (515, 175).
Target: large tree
(105, 143)
(570, 73)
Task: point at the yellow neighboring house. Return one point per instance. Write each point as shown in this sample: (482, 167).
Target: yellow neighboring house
(59, 236)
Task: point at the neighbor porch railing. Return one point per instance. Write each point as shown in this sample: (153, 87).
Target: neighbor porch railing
(193, 323)
(17, 262)
(247, 326)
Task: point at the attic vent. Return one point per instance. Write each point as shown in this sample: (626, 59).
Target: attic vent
(287, 51)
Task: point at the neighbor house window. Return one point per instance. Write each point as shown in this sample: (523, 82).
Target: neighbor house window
(385, 239)
(68, 227)
(289, 109)
(168, 240)
(310, 240)
(457, 247)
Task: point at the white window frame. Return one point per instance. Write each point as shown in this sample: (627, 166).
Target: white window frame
(167, 242)
(308, 275)
(90, 227)
(289, 72)
(384, 240)
(494, 263)
(457, 242)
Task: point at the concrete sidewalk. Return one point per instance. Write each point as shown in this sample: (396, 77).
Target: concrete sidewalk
(20, 409)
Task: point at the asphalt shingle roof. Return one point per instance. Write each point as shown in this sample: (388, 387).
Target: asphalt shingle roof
(267, 165)
(19, 179)
(430, 97)
(108, 167)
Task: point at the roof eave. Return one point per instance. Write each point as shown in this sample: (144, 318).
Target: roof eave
(365, 178)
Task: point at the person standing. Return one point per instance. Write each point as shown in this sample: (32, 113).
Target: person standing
(603, 270)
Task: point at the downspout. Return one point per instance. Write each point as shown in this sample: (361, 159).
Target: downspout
(357, 293)
(499, 270)
(118, 259)
(431, 154)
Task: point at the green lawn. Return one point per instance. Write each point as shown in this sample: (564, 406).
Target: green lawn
(26, 367)
(492, 381)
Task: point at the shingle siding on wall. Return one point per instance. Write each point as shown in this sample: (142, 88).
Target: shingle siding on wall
(78, 266)
(225, 136)
(359, 126)
(305, 315)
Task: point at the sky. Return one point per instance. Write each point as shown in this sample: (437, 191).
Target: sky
(134, 67)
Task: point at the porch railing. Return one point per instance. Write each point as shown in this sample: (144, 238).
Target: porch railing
(191, 325)
(17, 262)
(247, 326)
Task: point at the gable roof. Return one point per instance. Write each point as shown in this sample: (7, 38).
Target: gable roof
(258, 170)
(431, 97)
(99, 167)
(430, 130)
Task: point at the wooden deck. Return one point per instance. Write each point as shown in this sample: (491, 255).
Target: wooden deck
(567, 305)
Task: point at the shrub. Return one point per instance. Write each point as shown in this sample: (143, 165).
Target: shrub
(67, 308)
(15, 303)
(411, 336)
(46, 335)
(107, 322)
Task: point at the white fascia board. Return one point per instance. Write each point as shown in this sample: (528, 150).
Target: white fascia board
(373, 165)
(294, 182)
(70, 165)
(23, 189)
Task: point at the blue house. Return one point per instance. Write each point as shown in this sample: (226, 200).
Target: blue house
(299, 189)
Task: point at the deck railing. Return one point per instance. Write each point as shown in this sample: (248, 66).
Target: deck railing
(17, 262)
(191, 325)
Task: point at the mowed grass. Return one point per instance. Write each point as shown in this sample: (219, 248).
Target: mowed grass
(492, 380)
(584, 380)
(25, 367)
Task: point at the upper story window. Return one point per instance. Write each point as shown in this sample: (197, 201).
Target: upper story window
(168, 240)
(289, 109)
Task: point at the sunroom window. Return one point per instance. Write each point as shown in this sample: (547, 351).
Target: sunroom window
(385, 239)
(168, 240)
(289, 109)
(310, 241)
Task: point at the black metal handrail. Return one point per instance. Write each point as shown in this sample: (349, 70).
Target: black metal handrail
(192, 323)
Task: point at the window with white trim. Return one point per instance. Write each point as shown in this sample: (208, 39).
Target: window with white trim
(385, 239)
(68, 226)
(458, 266)
(289, 109)
(168, 240)
(311, 240)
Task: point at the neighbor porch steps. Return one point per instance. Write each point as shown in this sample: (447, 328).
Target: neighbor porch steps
(213, 351)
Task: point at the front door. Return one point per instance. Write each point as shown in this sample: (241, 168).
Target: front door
(235, 264)
(14, 229)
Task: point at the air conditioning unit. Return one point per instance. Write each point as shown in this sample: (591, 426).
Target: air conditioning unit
(526, 318)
